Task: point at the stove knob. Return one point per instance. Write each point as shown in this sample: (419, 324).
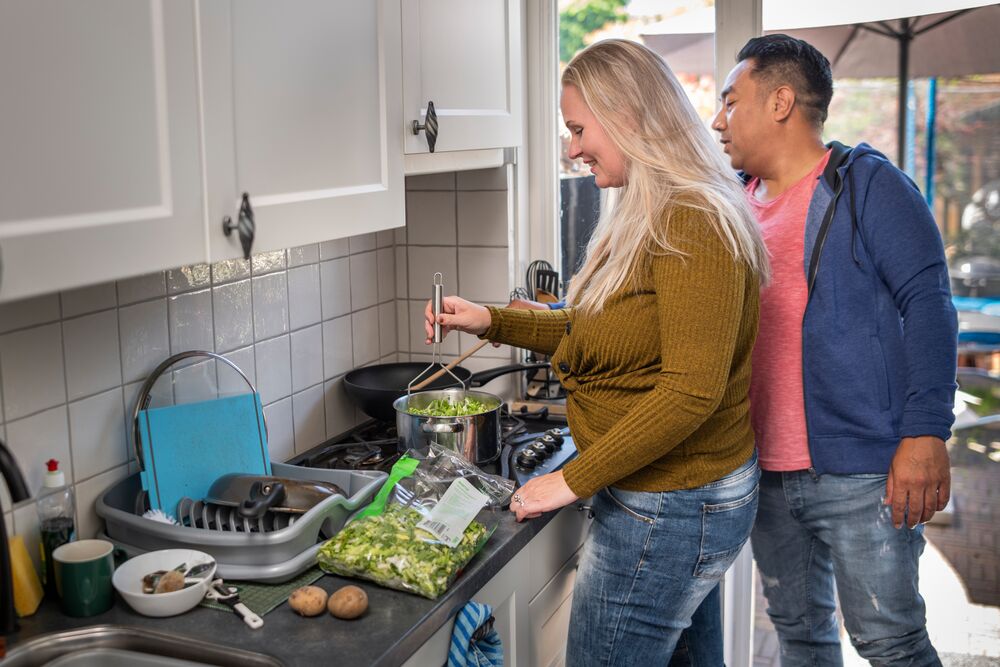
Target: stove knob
(547, 444)
(526, 460)
(540, 449)
(555, 441)
(557, 435)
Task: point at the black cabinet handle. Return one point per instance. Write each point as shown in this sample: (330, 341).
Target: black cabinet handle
(430, 126)
(246, 227)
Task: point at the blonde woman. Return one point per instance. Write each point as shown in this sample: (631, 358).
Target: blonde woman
(654, 351)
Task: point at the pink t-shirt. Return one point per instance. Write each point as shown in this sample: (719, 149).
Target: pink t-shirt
(777, 408)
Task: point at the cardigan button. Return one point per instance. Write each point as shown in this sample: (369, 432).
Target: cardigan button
(564, 367)
(567, 328)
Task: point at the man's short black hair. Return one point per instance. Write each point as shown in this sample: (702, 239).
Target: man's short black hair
(783, 60)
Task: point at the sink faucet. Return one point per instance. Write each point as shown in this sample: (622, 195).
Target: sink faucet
(18, 492)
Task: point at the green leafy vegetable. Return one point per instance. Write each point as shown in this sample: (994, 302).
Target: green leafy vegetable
(445, 407)
(390, 550)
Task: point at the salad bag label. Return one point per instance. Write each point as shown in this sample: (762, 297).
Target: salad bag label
(454, 512)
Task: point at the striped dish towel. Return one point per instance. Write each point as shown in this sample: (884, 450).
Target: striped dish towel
(474, 642)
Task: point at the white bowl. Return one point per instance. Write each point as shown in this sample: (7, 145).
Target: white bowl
(127, 581)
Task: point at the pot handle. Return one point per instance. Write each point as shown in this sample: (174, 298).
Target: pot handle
(261, 499)
(442, 427)
(490, 374)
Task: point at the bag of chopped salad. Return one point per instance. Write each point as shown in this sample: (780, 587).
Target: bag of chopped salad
(424, 526)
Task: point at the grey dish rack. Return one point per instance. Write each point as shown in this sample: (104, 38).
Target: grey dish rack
(263, 554)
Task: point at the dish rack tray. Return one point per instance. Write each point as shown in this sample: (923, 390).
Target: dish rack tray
(277, 553)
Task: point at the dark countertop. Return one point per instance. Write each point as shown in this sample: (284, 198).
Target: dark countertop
(395, 626)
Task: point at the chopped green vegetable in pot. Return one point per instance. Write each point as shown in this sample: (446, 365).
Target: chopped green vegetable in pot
(390, 550)
(445, 407)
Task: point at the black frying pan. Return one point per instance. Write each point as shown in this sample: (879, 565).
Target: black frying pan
(374, 388)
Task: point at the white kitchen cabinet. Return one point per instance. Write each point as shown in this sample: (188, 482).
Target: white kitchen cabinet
(465, 57)
(302, 110)
(507, 593)
(99, 142)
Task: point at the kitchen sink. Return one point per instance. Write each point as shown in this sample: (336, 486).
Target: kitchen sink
(118, 644)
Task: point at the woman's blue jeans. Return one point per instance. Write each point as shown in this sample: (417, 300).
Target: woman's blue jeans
(649, 561)
(817, 534)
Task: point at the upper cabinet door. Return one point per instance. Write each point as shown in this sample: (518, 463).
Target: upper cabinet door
(99, 145)
(465, 57)
(302, 108)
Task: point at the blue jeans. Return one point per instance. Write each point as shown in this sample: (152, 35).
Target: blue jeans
(649, 561)
(815, 534)
(700, 645)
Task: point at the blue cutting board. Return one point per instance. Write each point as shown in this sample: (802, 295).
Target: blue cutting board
(187, 447)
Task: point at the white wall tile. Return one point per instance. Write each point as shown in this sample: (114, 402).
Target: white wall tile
(482, 218)
(443, 181)
(403, 325)
(89, 299)
(187, 278)
(362, 243)
(194, 383)
(338, 346)
(340, 412)
(417, 334)
(334, 249)
(93, 356)
(131, 392)
(424, 263)
(401, 274)
(270, 305)
(366, 339)
(387, 328)
(385, 260)
(190, 317)
(430, 218)
(230, 382)
(36, 439)
(87, 493)
(29, 312)
(385, 238)
(274, 372)
(482, 274)
(308, 412)
(483, 179)
(307, 357)
(97, 433)
(267, 262)
(304, 301)
(229, 270)
(280, 430)
(399, 235)
(468, 341)
(303, 254)
(32, 364)
(335, 287)
(364, 281)
(140, 288)
(503, 386)
(145, 340)
(231, 304)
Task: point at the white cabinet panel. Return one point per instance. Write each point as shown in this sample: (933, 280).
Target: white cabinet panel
(466, 58)
(99, 157)
(302, 105)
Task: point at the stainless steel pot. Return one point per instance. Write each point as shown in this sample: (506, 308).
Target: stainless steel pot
(476, 437)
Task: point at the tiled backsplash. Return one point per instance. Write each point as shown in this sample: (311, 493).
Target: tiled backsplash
(296, 320)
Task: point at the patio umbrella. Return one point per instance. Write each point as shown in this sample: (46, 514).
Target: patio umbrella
(961, 41)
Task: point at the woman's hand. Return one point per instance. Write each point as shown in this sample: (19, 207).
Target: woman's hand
(541, 494)
(457, 314)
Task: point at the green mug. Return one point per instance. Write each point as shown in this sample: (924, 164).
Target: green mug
(83, 572)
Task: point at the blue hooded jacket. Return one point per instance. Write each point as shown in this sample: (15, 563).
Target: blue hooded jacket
(879, 333)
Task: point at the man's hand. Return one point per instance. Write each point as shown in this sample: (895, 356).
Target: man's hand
(919, 481)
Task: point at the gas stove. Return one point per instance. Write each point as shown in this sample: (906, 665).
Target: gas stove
(533, 442)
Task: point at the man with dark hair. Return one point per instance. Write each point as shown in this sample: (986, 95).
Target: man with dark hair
(853, 371)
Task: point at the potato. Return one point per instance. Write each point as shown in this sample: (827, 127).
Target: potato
(348, 602)
(170, 582)
(307, 600)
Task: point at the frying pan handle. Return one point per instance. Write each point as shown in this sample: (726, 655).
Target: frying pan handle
(261, 499)
(484, 377)
(442, 427)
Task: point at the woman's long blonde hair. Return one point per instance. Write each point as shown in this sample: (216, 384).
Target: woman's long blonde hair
(671, 160)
